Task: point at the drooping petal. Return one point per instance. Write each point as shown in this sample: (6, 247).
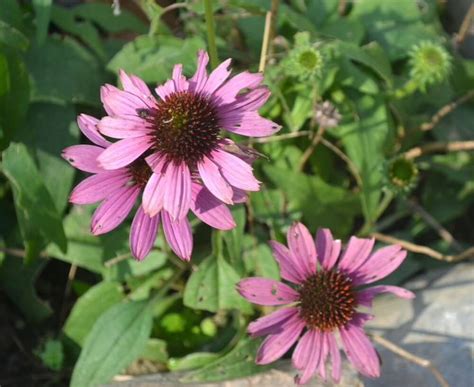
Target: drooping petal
(356, 253)
(335, 358)
(380, 264)
(251, 101)
(327, 249)
(210, 209)
(119, 102)
(88, 126)
(236, 171)
(229, 90)
(177, 198)
(135, 85)
(214, 182)
(143, 233)
(313, 359)
(217, 77)
(199, 79)
(153, 194)
(113, 210)
(265, 291)
(272, 323)
(249, 124)
(124, 152)
(302, 248)
(97, 187)
(366, 296)
(304, 350)
(275, 346)
(239, 195)
(178, 235)
(123, 127)
(288, 270)
(84, 157)
(360, 351)
(324, 355)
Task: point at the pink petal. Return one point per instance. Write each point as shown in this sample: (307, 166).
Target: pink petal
(113, 210)
(199, 79)
(124, 152)
(236, 171)
(217, 77)
(180, 83)
(324, 355)
(356, 253)
(214, 182)
(335, 358)
(143, 234)
(366, 296)
(123, 127)
(251, 101)
(135, 85)
(360, 351)
(227, 92)
(380, 264)
(272, 323)
(327, 249)
(304, 350)
(97, 187)
(178, 235)
(313, 358)
(118, 102)
(210, 209)
(166, 89)
(239, 196)
(288, 270)
(84, 157)
(302, 248)
(177, 198)
(265, 291)
(88, 126)
(249, 124)
(157, 162)
(275, 346)
(153, 194)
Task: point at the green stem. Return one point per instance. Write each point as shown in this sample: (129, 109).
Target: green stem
(211, 33)
(408, 89)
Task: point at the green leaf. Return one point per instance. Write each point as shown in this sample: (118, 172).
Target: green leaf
(4, 75)
(192, 361)
(155, 350)
(262, 261)
(118, 337)
(234, 239)
(153, 58)
(212, 287)
(10, 36)
(43, 14)
(64, 71)
(89, 307)
(17, 281)
(237, 363)
(38, 218)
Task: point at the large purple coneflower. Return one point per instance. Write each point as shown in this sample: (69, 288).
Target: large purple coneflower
(179, 133)
(324, 301)
(119, 189)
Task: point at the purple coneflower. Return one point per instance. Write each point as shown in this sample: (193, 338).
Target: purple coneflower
(324, 301)
(119, 189)
(179, 133)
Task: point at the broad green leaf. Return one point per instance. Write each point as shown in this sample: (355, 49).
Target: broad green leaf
(237, 363)
(212, 287)
(192, 361)
(351, 76)
(17, 281)
(261, 259)
(153, 58)
(11, 13)
(10, 36)
(89, 307)
(64, 71)
(344, 29)
(233, 239)
(38, 218)
(155, 350)
(4, 75)
(43, 14)
(118, 337)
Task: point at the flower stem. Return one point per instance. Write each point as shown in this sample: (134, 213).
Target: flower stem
(211, 33)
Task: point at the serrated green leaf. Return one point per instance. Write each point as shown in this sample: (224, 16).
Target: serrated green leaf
(38, 218)
(89, 307)
(118, 337)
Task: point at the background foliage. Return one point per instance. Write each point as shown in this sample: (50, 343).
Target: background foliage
(79, 307)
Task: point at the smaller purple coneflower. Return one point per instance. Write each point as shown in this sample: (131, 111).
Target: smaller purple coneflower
(119, 189)
(323, 301)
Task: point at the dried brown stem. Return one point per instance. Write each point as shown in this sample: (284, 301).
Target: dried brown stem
(425, 363)
(281, 137)
(309, 151)
(465, 25)
(455, 146)
(420, 249)
(445, 110)
(266, 42)
(19, 252)
(116, 260)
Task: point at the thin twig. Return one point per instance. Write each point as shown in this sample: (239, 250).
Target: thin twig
(20, 253)
(420, 249)
(116, 260)
(67, 289)
(465, 25)
(281, 137)
(274, 10)
(454, 146)
(445, 110)
(433, 223)
(425, 363)
(172, 7)
(266, 41)
(310, 149)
